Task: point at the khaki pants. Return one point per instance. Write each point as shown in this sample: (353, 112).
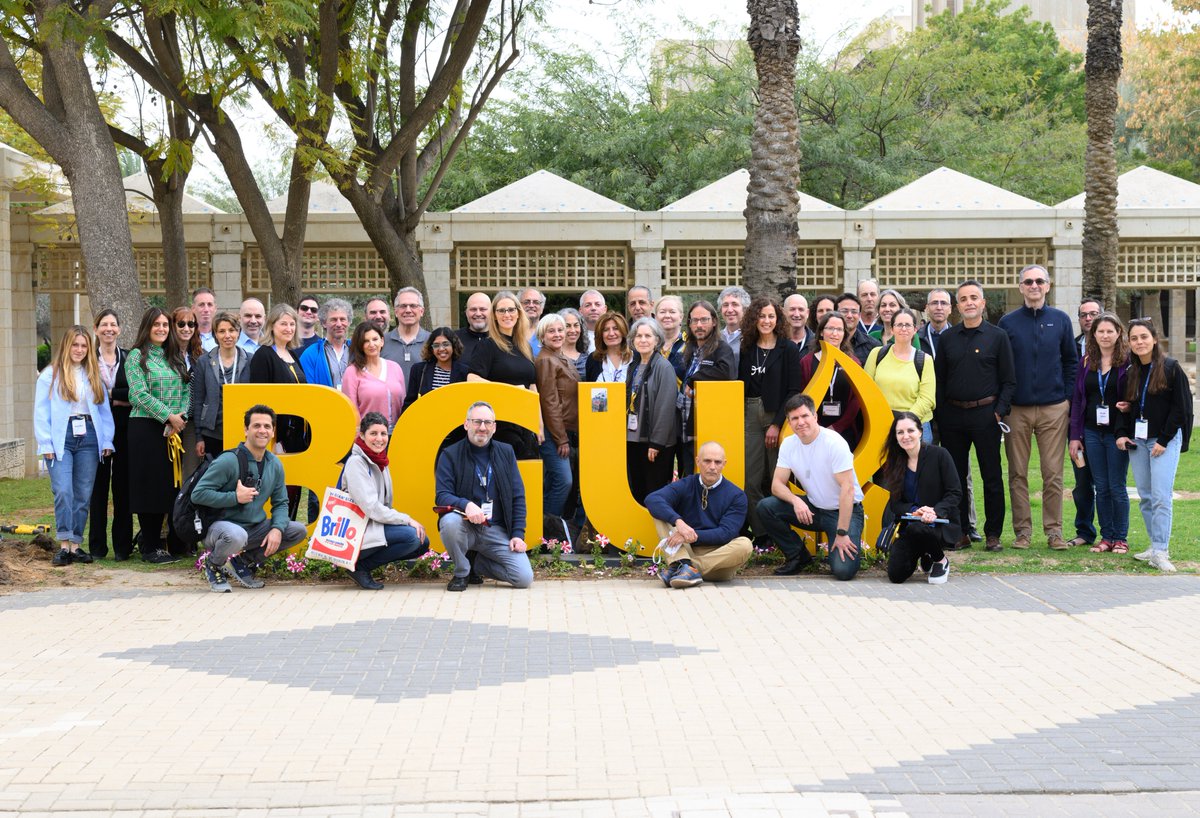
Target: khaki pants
(1050, 425)
(716, 563)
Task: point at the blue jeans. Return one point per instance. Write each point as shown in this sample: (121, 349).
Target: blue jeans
(556, 480)
(1155, 478)
(1084, 495)
(402, 544)
(927, 432)
(778, 517)
(71, 480)
(1109, 468)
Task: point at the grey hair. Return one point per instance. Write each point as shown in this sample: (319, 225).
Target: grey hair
(413, 290)
(584, 295)
(480, 404)
(899, 299)
(1029, 267)
(655, 327)
(335, 305)
(541, 294)
(545, 322)
(672, 298)
(737, 292)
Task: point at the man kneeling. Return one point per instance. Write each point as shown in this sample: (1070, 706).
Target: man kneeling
(700, 517)
(480, 488)
(244, 536)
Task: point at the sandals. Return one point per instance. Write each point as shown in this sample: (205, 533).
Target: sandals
(1102, 546)
(1120, 547)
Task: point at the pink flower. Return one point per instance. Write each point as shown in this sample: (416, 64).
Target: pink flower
(296, 564)
(602, 540)
(566, 548)
(652, 570)
(200, 560)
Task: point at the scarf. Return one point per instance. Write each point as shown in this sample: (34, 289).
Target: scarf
(380, 459)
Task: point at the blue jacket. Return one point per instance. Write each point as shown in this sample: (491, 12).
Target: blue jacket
(716, 525)
(316, 365)
(1044, 355)
(51, 412)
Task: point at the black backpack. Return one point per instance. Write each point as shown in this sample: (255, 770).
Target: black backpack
(192, 520)
(918, 358)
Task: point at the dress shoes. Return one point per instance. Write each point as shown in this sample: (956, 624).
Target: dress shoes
(365, 581)
(457, 584)
(794, 565)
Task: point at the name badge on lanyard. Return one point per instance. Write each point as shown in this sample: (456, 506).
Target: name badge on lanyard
(631, 424)
(832, 409)
(486, 508)
(1102, 415)
(78, 426)
(1141, 429)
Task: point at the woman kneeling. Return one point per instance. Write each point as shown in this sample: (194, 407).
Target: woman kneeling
(923, 484)
(391, 536)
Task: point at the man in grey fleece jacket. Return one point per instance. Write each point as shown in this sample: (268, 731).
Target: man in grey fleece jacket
(244, 525)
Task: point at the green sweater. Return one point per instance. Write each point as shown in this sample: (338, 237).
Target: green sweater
(218, 489)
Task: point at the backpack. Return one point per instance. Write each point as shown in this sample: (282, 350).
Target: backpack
(918, 358)
(192, 520)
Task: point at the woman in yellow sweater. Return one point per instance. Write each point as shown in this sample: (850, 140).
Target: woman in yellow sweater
(904, 373)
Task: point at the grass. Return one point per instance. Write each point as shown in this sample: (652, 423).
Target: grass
(29, 501)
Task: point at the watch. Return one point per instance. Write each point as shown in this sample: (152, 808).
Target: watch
(841, 532)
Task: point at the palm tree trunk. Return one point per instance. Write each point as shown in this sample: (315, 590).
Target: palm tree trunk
(1102, 71)
(772, 200)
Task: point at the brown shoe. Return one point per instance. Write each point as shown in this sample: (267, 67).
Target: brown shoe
(1057, 543)
(993, 544)
(963, 542)
(1021, 543)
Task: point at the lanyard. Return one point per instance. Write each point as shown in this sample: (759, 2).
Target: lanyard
(484, 480)
(233, 367)
(1145, 383)
(638, 379)
(933, 336)
(833, 380)
(1103, 379)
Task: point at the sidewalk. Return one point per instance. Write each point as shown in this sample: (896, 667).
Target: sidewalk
(1014, 695)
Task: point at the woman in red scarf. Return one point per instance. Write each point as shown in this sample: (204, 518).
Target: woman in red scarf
(391, 535)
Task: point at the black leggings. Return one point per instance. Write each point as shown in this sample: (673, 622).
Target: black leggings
(916, 540)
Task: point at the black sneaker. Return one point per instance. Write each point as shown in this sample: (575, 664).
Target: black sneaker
(365, 581)
(61, 559)
(82, 557)
(159, 557)
(243, 573)
(216, 578)
(939, 572)
(473, 578)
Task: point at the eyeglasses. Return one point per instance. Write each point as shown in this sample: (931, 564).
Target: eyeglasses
(481, 422)
(1034, 282)
(506, 310)
(703, 319)
(703, 496)
(185, 324)
(532, 302)
(1092, 314)
(306, 308)
(442, 345)
(407, 307)
(903, 326)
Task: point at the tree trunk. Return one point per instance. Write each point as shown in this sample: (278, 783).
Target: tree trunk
(168, 198)
(1102, 71)
(772, 200)
(396, 245)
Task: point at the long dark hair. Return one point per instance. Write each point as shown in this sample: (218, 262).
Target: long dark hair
(194, 347)
(456, 347)
(171, 349)
(1120, 349)
(812, 309)
(691, 348)
(895, 458)
(750, 322)
(1137, 374)
(358, 358)
(847, 333)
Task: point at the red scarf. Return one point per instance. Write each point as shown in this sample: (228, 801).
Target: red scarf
(380, 459)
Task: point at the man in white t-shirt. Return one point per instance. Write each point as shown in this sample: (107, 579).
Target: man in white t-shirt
(820, 461)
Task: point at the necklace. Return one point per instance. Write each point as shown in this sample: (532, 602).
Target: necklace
(759, 367)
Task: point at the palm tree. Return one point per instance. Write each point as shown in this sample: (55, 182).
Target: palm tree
(772, 200)
(1102, 71)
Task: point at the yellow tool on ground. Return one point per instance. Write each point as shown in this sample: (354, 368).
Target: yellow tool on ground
(24, 529)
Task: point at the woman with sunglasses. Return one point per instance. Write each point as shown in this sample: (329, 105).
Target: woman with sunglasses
(113, 472)
(1096, 425)
(184, 325)
(73, 426)
(1159, 403)
(224, 364)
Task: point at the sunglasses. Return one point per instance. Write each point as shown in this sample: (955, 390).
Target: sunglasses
(1034, 282)
(306, 308)
(185, 324)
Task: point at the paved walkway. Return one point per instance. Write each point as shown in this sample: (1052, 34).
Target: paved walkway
(1025, 695)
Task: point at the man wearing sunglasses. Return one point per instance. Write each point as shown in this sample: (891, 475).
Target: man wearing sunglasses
(307, 308)
(482, 501)
(1045, 359)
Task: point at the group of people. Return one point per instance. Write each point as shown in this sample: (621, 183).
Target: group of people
(965, 385)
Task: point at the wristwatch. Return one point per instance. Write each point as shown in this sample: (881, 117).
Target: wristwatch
(841, 532)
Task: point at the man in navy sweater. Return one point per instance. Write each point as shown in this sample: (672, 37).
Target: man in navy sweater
(1045, 359)
(699, 518)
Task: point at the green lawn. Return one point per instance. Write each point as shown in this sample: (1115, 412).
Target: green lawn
(29, 501)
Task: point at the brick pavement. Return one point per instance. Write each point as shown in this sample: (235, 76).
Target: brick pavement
(987, 696)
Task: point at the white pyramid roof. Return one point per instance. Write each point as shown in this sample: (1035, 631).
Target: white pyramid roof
(543, 192)
(139, 198)
(728, 195)
(324, 197)
(1145, 187)
(945, 189)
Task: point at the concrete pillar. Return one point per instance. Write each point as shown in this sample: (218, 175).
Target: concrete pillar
(225, 260)
(1067, 278)
(648, 265)
(1177, 323)
(857, 263)
(439, 305)
(64, 313)
(18, 347)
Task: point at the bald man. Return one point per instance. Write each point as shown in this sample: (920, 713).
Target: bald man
(699, 518)
(253, 315)
(478, 307)
(795, 308)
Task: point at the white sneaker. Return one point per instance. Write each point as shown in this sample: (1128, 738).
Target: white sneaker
(1160, 561)
(1144, 556)
(939, 572)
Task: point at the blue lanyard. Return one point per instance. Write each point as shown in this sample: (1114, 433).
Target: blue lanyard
(1103, 379)
(695, 366)
(484, 481)
(1145, 383)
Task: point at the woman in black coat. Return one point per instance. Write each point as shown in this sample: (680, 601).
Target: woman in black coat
(923, 483)
(441, 364)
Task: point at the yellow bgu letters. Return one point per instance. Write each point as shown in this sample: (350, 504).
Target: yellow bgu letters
(602, 467)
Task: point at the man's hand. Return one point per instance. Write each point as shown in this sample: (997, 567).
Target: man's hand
(474, 514)
(685, 533)
(564, 450)
(245, 494)
(272, 542)
(801, 510)
(651, 453)
(517, 544)
(844, 547)
(772, 438)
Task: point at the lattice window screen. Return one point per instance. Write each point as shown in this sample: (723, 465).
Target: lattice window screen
(61, 270)
(917, 267)
(551, 269)
(1153, 265)
(323, 270)
(692, 268)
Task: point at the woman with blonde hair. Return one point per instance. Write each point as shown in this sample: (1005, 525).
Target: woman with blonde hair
(73, 425)
(277, 361)
(506, 356)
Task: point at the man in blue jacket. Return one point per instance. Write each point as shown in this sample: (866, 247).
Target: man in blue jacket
(699, 518)
(1045, 359)
(325, 361)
